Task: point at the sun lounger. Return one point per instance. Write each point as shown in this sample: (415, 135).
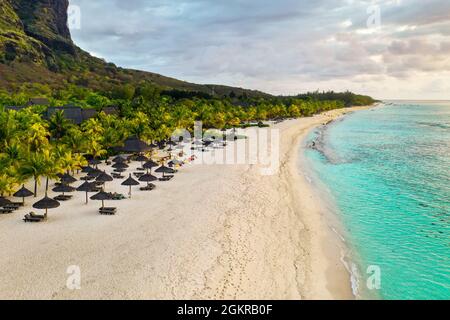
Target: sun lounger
(107, 211)
(138, 174)
(63, 198)
(5, 211)
(31, 217)
(148, 188)
(141, 169)
(118, 197)
(11, 207)
(19, 204)
(166, 178)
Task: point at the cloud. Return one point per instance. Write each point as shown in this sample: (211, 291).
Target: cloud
(278, 46)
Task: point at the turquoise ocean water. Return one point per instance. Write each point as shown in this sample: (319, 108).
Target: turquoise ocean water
(387, 171)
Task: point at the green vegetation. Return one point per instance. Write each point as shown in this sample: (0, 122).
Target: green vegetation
(31, 147)
(39, 59)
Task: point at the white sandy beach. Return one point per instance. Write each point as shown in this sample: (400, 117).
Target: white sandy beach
(214, 232)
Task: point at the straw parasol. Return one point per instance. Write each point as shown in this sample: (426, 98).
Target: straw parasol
(104, 177)
(163, 169)
(4, 202)
(95, 173)
(120, 165)
(150, 165)
(63, 188)
(46, 203)
(130, 182)
(148, 178)
(67, 179)
(135, 145)
(86, 187)
(141, 158)
(119, 159)
(102, 196)
(23, 193)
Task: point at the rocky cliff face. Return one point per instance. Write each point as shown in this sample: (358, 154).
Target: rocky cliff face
(34, 31)
(36, 46)
(46, 21)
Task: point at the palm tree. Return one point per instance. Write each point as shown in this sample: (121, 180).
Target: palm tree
(75, 140)
(36, 137)
(7, 184)
(37, 165)
(67, 161)
(58, 125)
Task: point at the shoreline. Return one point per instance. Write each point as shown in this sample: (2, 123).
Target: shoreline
(214, 232)
(329, 277)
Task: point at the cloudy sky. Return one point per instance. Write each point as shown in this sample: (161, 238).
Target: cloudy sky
(387, 49)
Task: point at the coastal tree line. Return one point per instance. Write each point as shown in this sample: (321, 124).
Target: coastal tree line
(32, 147)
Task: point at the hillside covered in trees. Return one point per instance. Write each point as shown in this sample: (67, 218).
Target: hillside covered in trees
(39, 60)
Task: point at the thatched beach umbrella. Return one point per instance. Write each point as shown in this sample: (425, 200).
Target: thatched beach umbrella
(163, 169)
(87, 178)
(148, 178)
(23, 193)
(141, 158)
(102, 196)
(119, 159)
(149, 165)
(87, 169)
(86, 187)
(95, 173)
(130, 182)
(63, 188)
(94, 162)
(120, 165)
(5, 202)
(67, 179)
(46, 203)
(104, 177)
(135, 145)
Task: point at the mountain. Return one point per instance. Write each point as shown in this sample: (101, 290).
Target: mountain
(36, 46)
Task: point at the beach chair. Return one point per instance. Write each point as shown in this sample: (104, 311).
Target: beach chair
(31, 217)
(166, 178)
(148, 188)
(107, 211)
(5, 211)
(63, 197)
(11, 207)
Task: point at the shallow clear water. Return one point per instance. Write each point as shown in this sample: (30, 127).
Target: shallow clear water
(388, 172)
